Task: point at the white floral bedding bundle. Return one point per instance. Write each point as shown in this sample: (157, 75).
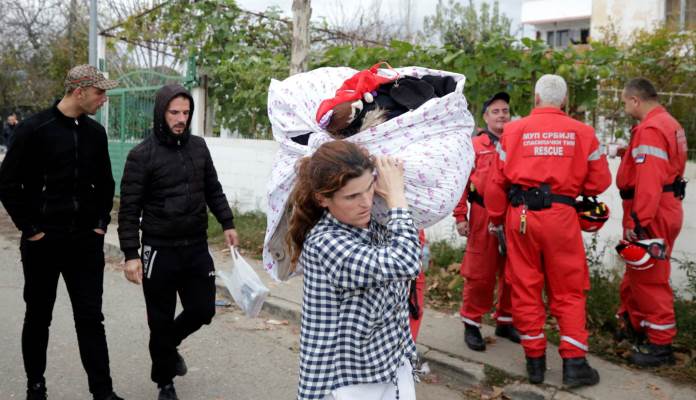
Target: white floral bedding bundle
(433, 140)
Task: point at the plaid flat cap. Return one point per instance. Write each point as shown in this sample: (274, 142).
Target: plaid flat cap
(86, 76)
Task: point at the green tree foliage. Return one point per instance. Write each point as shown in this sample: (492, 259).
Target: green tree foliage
(462, 27)
(500, 63)
(666, 58)
(242, 52)
(239, 52)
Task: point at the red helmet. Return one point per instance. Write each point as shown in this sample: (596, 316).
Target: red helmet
(642, 254)
(591, 214)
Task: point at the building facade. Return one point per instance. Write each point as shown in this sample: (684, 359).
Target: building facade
(560, 23)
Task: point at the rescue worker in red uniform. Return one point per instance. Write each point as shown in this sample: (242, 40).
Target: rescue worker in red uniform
(544, 162)
(482, 262)
(651, 186)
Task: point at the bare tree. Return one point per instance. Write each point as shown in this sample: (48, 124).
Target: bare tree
(29, 21)
(125, 55)
(301, 12)
(372, 22)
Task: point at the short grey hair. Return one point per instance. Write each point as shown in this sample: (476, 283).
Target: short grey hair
(552, 89)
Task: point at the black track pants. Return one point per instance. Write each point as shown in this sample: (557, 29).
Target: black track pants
(188, 271)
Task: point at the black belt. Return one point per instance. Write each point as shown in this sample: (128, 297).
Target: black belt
(475, 197)
(678, 187)
(628, 194)
(537, 198)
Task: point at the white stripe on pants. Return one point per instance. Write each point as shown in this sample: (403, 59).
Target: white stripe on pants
(380, 391)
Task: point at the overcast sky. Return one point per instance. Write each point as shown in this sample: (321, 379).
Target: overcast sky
(329, 9)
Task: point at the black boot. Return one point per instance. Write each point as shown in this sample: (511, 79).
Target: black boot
(577, 372)
(507, 331)
(536, 369)
(473, 338)
(652, 355)
(167, 392)
(180, 367)
(626, 331)
(36, 391)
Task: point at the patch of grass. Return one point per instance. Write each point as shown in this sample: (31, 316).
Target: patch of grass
(603, 300)
(444, 254)
(496, 377)
(251, 228)
(443, 279)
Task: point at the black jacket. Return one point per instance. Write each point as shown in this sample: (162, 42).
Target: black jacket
(56, 177)
(8, 132)
(168, 180)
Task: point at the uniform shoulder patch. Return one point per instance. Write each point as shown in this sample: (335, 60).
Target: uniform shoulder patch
(640, 158)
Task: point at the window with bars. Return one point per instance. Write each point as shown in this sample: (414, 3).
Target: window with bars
(680, 14)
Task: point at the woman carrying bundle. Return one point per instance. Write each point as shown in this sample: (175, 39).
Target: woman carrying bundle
(355, 341)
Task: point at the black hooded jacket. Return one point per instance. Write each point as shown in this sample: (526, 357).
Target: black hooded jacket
(56, 178)
(168, 180)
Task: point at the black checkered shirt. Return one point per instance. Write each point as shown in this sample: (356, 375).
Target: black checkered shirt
(354, 311)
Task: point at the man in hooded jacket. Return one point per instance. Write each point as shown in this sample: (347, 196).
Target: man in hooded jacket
(168, 180)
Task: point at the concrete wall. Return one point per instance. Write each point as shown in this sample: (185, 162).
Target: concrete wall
(626, 15)
(545, 11)
(574, 29)
(243, 167)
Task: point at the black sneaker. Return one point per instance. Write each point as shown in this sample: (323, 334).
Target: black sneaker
(507, 331)
(111, 396)
(167, 392)
(36, 391)
(536, 369)
(577, 372)
(180, 367)
(473, 338)
(652, 355)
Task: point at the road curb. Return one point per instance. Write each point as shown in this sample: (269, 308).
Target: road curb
(456, 372)
(459, 373)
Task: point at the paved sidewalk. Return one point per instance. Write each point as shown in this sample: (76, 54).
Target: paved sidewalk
(441, 344)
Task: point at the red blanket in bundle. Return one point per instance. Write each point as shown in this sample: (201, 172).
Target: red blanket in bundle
(354, 88)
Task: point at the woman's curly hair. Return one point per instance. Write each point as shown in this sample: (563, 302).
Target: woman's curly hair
(325, 172)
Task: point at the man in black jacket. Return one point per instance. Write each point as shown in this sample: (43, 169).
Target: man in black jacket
(168, 180)
(8, 130)
(56, 184)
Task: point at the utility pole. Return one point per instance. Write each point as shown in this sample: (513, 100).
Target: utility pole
(93, 33)
(72, 20)
(301, 12)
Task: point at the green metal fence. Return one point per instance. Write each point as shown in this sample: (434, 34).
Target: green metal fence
(128, 118)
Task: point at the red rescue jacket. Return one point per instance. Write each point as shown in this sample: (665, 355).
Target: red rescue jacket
(655, 156)
(485, 155)
(546, 147)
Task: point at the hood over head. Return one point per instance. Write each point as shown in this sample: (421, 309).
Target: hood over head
(162, 99)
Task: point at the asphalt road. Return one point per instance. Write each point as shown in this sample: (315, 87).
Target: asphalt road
(233, 358)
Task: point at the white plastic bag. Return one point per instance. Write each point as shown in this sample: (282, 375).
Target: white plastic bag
(244, 285)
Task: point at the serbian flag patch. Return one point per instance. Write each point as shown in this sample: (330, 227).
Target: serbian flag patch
(640, 158)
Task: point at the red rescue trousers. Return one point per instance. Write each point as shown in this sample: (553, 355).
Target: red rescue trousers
(420, 294)
(647, 294)
(414, 323)
(551, 256)
(481, 265)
